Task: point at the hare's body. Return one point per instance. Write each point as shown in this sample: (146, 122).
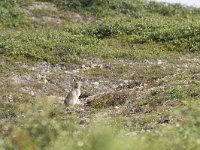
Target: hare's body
(73, 95)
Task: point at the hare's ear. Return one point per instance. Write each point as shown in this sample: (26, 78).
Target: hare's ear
(74, 79)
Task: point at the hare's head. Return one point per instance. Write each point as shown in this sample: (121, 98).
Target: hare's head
(77, 84)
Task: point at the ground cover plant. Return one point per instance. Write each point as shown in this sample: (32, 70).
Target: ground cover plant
(138, 62)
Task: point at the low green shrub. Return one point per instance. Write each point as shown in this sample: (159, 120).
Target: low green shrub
(39, 132)
(11, 13)
(47, 45)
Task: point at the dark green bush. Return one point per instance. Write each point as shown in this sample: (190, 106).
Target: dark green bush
(11, 12)
(47, 45)
(94, 7)
(126, 7)
(80, 3)
(105, 31)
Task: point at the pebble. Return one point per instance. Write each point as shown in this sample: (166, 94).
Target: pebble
(147, 61)
(32, 93)
(105, 66)
(96, 83)
(83, 66)
(159, 62)
(126, 81)
(116, 107)
(67, 72)
(121, 84)
(76, 71)
(10, 99)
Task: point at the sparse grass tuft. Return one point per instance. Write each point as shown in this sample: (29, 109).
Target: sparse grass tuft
(111, 99)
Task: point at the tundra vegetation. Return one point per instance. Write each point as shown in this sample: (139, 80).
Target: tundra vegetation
(138, 61)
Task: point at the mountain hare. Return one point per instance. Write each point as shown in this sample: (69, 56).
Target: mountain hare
(73, 95)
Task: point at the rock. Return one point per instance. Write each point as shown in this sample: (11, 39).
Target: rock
(10, 99)
(116, 107)
(42, 78)
(134, 111)
(76, 71)
(95, 62)
(83, 66)
(33, 68)
(67, 72)
(147, 61)
(121, 84)
(96, 83)
(105, 66)
(32, 93)
(93, 65)
(138, 82)
(166, 120)
(159, 62)
(185, 65)
(126, 81)
(86, 68)
(38, 76)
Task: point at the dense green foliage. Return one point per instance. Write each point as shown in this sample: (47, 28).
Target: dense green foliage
(11, 14)
(136, 8)
(42, 131)
(173, 27)
(47, 45)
